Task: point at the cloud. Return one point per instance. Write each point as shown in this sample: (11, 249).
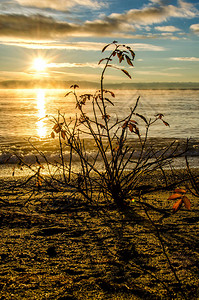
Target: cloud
(40, 27)
(146, 47)
(157, 73)
(72, 65)
(156, 1)
(185, 58)
(195, 28)
(157, 14)
(177, 68)
(83, 46)
(60, 4)
(32, 27)
(167, 28)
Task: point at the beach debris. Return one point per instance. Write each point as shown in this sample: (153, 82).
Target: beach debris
(179, 195)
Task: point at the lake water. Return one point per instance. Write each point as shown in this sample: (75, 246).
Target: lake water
(22, 115)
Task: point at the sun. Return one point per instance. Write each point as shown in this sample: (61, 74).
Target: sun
(39, 64)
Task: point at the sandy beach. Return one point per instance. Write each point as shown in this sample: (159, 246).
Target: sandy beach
(54, 245)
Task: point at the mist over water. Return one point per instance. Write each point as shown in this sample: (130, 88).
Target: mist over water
(22, 115)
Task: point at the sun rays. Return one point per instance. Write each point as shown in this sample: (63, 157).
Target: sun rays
(39, 64)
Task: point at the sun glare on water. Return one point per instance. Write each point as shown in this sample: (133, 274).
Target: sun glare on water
(41, 129)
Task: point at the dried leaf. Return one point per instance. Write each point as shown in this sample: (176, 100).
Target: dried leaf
(57, 127)
(132, 53)
(125, 72)
(52, 135)
(74, 86)
(119, 54)
(131, 127)
(187, 202)
(177, 205)
(105, 47)
(165, 123)
(179, 190)
(109, 101)
(112, 94)
(159, 116)
(142, 117)
(137, 130)
(67, 94)
(125, 125)
(128, 60)
(175, 196)
(133, 121)
(102, 60)
(121, 58)
(106, 117)
(63, 134)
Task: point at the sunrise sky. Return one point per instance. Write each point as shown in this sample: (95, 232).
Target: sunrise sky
(62, 39)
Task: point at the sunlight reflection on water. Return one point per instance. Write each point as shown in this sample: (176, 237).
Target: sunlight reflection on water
(41, 128)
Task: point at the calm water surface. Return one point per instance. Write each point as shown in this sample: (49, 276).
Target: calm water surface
(22, 115)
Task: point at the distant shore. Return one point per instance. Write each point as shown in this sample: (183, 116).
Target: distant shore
(51, 84)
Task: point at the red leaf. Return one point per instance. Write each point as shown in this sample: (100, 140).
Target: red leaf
(121, 58)
(177, 205)
(57, 127)
(133, 121)
(125, 72)
(187, 202)
(128, 60)
(175, 196)
(112, 94)
(119, 54)
(125, 124)
(63, 134)
(165, 123)
(131, 127)
(179, 190)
